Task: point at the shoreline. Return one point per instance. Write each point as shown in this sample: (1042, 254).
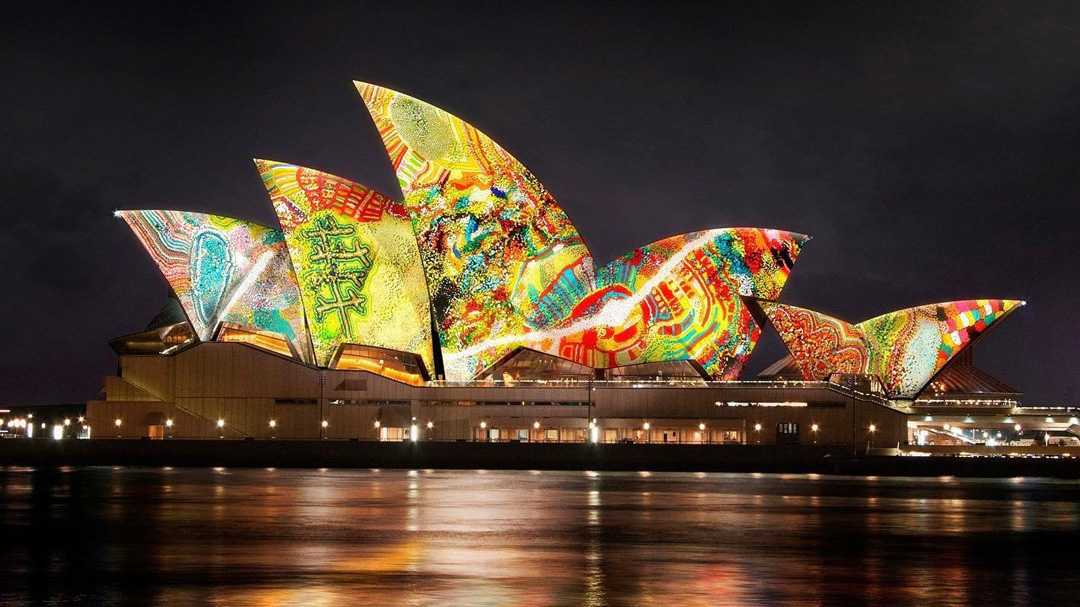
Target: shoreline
(518, 456)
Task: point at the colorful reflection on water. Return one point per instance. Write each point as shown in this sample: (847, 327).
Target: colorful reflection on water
(188, 536)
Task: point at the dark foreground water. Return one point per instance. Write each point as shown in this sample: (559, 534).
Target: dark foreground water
(190, 536)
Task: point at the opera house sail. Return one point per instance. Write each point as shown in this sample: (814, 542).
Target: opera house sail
(905, 349)
(356, 261)
(225, 271)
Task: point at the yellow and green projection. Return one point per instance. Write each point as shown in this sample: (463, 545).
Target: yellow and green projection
(355, 259)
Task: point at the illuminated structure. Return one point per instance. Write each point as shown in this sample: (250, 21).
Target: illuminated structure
(357, 262)
(903, 349)
(472, 309)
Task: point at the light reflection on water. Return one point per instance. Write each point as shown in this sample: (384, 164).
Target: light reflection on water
(189, 536)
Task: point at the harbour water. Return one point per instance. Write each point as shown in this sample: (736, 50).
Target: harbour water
(202, 536)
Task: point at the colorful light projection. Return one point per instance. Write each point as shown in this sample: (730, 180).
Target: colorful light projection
(820, 345)
(905, 348)
(501, 257)
(676, 299)
(224, 270)
(679, 299)
(356, 258)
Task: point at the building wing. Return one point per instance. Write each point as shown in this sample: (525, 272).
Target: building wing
(820, 345)
(225, 271)
(680, 299)
(501, 257)
(909, 347)
(356, 259)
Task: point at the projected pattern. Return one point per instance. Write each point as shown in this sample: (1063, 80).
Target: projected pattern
(224, 270)
(501, 257)
(905, 348)
(355, 255)
(676, 299)
(679, 299)
(820, 345)
(908, 347)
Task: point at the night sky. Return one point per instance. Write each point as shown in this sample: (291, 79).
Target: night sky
(931, 151)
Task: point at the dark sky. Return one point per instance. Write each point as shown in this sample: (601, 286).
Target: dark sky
(931, 149)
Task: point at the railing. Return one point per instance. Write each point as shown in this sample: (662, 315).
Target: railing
(658, 383)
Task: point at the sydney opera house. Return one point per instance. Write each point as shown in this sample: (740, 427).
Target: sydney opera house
(472, 309)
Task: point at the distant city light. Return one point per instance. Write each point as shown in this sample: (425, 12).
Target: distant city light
(57, 432)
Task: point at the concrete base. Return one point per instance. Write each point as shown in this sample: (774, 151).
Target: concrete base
(523, 456)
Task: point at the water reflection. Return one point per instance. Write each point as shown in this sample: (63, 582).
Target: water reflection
(353, 537)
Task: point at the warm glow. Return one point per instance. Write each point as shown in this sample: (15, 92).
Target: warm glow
(220, 423)
(377, 423)
(813, 427)
(646, 426)
(873, 428)
(273, 423)
(67, 421)
(118, 422)
(701, 426)
(325, 423)
(1017, 427)
(353, 361)
(265, 340)
(536, 425)
(168, 423)
(430, 425)
(57, 432)
(757, 427)
(483, 425)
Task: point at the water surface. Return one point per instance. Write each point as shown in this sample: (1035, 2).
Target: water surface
(199, 536)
